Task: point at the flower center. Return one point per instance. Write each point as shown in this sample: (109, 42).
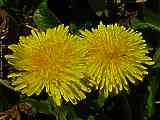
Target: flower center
(50, 59)
(108, 53)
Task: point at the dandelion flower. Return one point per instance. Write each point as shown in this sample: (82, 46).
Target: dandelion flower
(51, 60)
(115, 55)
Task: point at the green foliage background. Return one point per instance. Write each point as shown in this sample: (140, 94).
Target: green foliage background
(25, 15)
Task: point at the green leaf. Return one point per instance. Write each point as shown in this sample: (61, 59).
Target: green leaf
(66, 112)
(98, 103)
(1, 2)
(152, 90)
(60, 113)
(138, 24)
(43, 17)
(149, 106)
(3, 99)
(101, 100)
(90, 117)
(42, 106)
(152, 19)
(156, 58)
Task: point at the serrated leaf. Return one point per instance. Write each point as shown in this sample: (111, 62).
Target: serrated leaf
(43, 17)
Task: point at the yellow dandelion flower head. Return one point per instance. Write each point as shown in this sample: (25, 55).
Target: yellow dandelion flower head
(51, 60)
(115, 55)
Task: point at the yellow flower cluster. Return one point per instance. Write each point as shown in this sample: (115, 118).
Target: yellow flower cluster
(60, 62)
(115, 55)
